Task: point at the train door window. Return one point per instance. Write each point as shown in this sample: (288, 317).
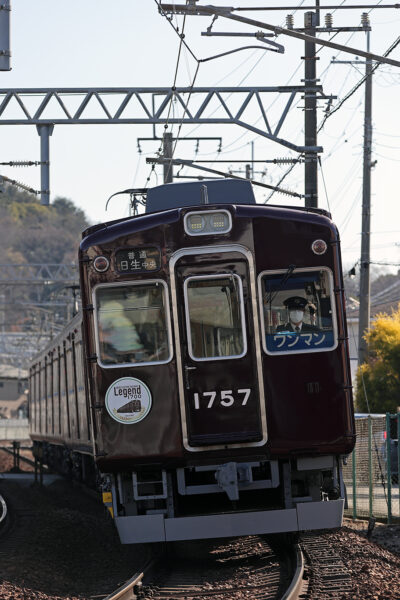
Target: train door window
(62, 403)
(133, 325)
(56, 390)
(46, 395)
(40, 388)
(83, 420)
(298, 311)
(215, 317)
(50, 426)
(67, 367)
(43, 396)
(32, 399)
(75, 386)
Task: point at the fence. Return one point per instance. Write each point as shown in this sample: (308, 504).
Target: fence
(371, 474)
(14, 429)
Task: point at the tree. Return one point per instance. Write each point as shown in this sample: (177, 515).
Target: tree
(378, 380)
(33, 234)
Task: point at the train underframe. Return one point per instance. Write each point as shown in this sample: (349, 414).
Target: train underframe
(212, 500)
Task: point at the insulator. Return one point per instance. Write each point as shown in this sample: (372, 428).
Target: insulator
(285, 161)
(328, 20)
(365, 19)
(289, 21)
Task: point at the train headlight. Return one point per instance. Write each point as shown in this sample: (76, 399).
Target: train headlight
(319, 247)
(195, 224)
(101, 264)
(208, 223)
(219, 221)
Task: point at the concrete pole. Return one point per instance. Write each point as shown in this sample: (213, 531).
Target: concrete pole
(310, 115)
(45, 131)
(365, 310)
(167, 153)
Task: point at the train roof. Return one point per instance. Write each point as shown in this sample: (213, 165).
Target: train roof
(167, 198)
(219, 191)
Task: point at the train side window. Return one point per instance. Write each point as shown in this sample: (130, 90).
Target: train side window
(298, 311)
(215, 317)
(132, 326)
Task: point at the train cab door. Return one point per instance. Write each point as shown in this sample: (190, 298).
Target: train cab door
(217, 341)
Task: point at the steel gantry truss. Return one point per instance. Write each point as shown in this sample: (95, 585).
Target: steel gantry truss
(150, 106)
(47, 107)
(48, 286)
(40, 274)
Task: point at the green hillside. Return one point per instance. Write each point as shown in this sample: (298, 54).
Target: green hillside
(32, 233)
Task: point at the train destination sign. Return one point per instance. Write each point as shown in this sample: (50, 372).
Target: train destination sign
(138, 260)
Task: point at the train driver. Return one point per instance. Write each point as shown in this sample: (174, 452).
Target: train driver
(296, 306)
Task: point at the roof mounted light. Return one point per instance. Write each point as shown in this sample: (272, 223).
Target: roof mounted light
(208, 222)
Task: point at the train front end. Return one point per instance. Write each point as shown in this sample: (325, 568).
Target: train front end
(212, 417)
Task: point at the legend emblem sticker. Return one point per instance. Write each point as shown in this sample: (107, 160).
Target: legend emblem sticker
(128, 400)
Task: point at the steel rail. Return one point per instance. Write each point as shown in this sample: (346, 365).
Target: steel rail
(128, 590)
(295, 588)
(291, 560)
(9, 450)
(3, 507)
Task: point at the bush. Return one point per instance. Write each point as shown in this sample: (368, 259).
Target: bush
(379, 378)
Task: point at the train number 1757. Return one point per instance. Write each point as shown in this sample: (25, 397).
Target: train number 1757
(224, 398)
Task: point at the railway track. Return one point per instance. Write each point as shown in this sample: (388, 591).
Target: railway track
(328, 578)
(252, 567)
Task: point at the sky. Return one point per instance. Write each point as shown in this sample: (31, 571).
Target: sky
(127, 43)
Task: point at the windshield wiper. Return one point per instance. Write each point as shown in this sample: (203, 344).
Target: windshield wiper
(285, 278)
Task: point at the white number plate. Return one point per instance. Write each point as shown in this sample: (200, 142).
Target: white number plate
(224, 398)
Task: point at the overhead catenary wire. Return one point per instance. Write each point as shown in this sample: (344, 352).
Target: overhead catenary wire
(386, 54)
(392, 47)
(247, 74)
(322, 74)
(181, 43)
(199, 61)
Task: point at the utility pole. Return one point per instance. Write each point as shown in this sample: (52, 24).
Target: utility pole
(167, 153)
(5, 53)
(364, 311)
(310, 112)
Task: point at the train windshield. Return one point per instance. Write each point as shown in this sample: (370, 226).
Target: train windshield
(215, 317)
(132, 326)
(298, 311)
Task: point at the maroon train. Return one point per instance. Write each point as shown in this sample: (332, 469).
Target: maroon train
(206, 382)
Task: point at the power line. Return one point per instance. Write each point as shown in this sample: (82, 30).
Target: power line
(358, 85)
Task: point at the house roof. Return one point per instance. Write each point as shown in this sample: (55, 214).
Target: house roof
(12, 372)
(382, 302)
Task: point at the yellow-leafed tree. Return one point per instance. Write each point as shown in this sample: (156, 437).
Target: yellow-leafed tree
(379, 377)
